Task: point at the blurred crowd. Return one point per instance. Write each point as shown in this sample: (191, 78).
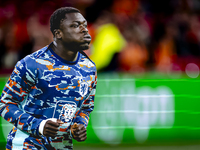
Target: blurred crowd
(135, 36)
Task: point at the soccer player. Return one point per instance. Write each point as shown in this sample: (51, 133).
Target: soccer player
(50, 93)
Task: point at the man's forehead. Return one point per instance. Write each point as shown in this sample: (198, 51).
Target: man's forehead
(74, 17)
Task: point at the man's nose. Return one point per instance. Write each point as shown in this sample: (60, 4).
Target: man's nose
(84, 29)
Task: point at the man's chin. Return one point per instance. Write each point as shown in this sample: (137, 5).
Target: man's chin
(84, 47)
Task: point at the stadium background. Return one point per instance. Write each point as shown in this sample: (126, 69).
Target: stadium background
(147, 55)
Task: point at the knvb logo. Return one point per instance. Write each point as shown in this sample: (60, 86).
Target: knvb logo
(65, 110)
(83, 88)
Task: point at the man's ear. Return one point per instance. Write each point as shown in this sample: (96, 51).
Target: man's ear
(58, 33)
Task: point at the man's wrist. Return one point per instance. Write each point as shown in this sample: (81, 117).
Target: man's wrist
(41, 127)
(42, 124)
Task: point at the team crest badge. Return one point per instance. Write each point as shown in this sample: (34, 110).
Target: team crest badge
(65, 110)
(83, 88)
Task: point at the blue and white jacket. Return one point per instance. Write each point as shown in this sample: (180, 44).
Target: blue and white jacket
(42, 86)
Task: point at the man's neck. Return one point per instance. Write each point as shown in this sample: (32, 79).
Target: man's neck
(64, 53)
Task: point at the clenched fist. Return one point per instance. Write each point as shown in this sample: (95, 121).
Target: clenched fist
(51, 128)
(79, 132)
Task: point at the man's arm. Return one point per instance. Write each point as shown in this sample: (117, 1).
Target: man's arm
(14, 96)
(82, 117)
(78, 129)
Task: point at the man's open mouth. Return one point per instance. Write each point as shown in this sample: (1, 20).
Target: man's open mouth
(87, 38)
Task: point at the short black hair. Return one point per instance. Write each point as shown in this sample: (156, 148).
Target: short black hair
(58, 15)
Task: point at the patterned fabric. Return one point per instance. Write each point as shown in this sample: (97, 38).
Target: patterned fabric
(42, 86)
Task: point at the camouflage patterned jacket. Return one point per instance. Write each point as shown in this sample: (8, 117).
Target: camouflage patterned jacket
(42, 86)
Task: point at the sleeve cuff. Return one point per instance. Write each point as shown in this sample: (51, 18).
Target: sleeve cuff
(41, 127)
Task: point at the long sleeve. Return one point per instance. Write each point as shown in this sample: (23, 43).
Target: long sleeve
(14, 96)
(87, 106)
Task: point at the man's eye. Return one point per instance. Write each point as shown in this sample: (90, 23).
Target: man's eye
(75, 26)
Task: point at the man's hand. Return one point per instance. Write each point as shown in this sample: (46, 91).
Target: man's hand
(51, 128)
(79, 132)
